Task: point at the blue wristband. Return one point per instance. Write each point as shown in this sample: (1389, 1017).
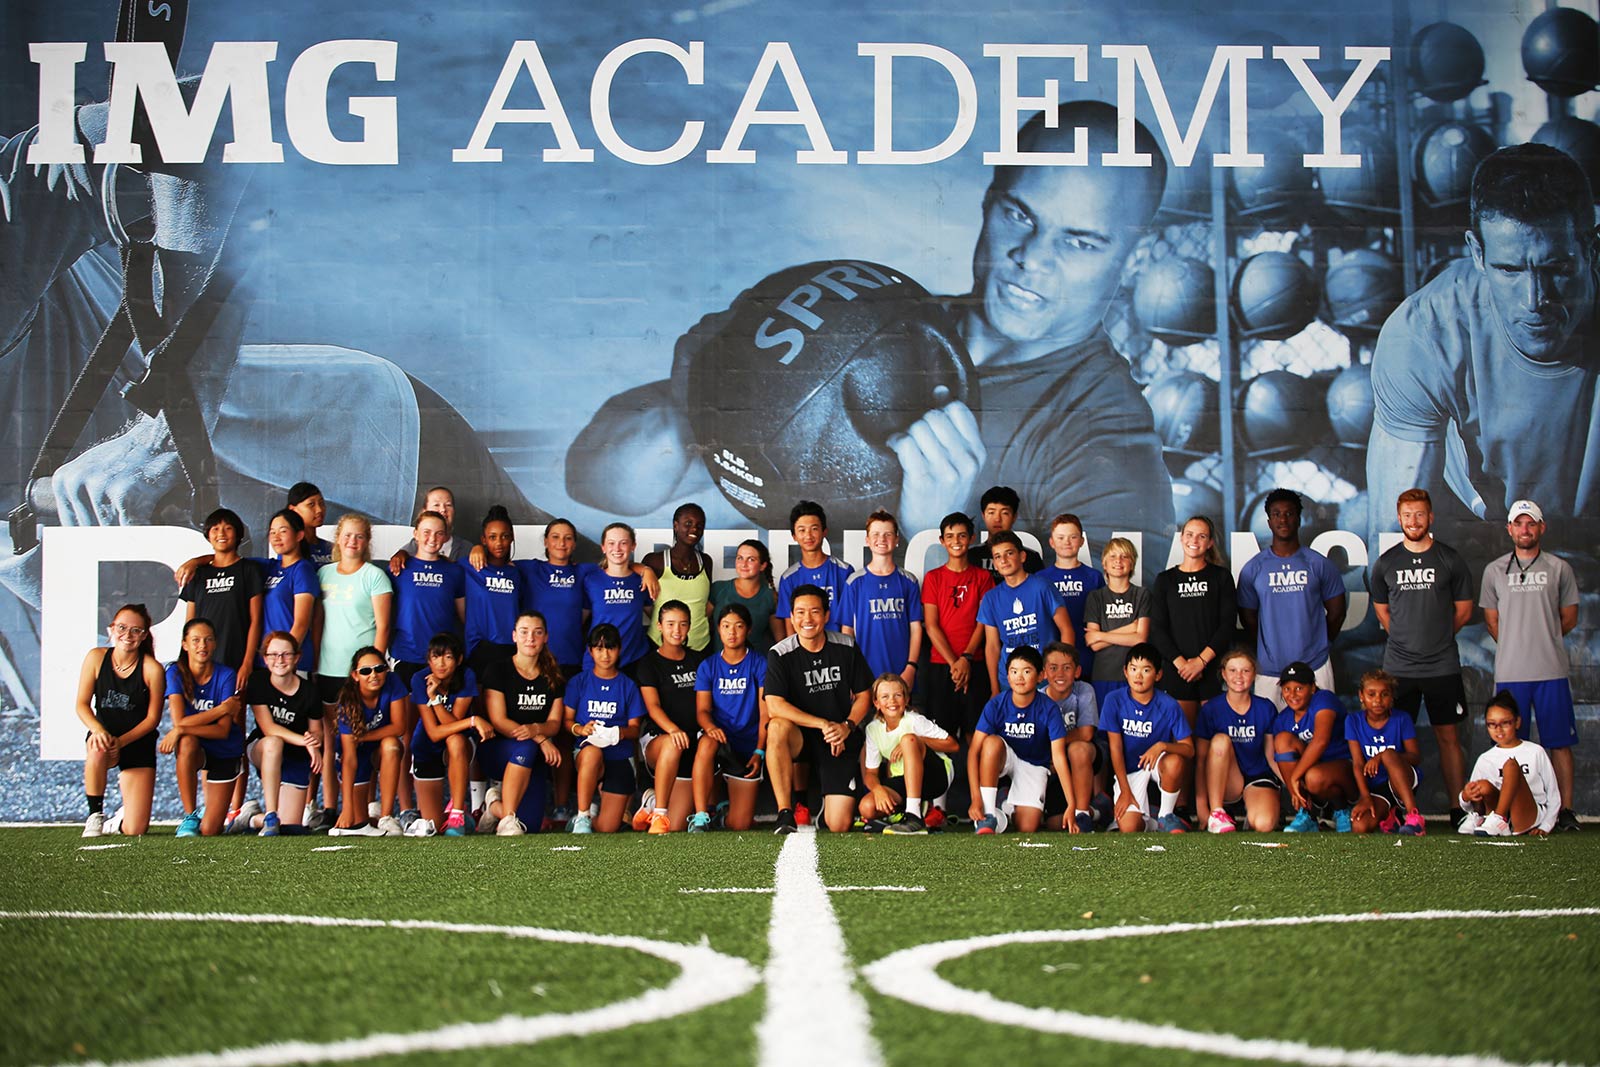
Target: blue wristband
(1285, 757)
(760, 752)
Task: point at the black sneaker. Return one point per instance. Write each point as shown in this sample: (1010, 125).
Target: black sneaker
(322, 820)
(1456, 816)
(1085, 822)
(1567, 819)
(907, 825)
(785, 822)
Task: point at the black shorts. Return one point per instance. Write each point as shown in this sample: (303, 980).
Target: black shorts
(836, 775)
(685, 761)
(935, 780)
(957, 713)
(618, 777)
(736, 765)
(219, 769)
(1208, 685)
(485, 654)
(1444, 696)
(1385, 790)
(407, 671)
(328, 686)
(1264, 781)
(136, 755)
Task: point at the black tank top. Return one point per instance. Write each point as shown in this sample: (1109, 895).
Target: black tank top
(120, 703)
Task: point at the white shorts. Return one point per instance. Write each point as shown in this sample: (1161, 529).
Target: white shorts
(1267, 684)
(1139, 782)
(1028, 781)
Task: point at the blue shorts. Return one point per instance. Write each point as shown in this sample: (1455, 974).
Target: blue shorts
(296, 770)
(428, 757)
(1551, 703)
(498, 753)
(1103, 690)
(365, 751)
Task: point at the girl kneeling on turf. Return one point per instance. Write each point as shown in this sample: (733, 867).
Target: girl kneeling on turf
(603, 713)
(372, 713)
(447, 730)
(1233, 736)
(1309, 752)
(1383, 751)
(119, 703)
(523, 698)
(286, 745)
(1512, 788)
(731, 708)
(207, 728)
(917, 752)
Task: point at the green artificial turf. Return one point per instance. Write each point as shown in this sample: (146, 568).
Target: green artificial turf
(1519, 989)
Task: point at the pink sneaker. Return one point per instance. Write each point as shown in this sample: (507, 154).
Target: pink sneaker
(455, 825)
(1390, 823)
(1414, 826)
(1220, 823)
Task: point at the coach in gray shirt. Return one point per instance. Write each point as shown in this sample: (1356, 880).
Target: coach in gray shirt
(1422, 593)
(1530, 601)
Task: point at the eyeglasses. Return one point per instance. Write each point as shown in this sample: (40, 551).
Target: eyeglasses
(277, 655)
(121, 628)
(376, 668)
(1499, 724)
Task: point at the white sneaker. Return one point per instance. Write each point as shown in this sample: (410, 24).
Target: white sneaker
(1470, 823)
(491, 795)
(94, 825)
(511, 826)
(374, 809)
(241, 822)
(364, 830)
(114, 824)
(389, 826)
(1494, 825)
(486, 822)
(421, 828)
(1001, 820)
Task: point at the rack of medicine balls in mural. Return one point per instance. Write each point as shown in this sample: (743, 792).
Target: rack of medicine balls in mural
(1314, 262)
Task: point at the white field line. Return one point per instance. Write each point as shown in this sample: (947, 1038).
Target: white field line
(911, 975)
(814, 1013)
(707, 977)
(102, 848)
(831, 889)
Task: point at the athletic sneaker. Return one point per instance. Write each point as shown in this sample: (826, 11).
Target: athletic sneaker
(1494, 825)
(1085, 822)
(1170, 823)
(322, 820)
(660, 825)
(269, 825)
(422, 828)
(94, 825)
(699, 823)
(908, 825)
(240, 823)
(1303, 823)
(114, 824)
(510, 826)
(486, 822)
(786, 822)
(1414, 826)
(1341, 821)
(390, 826)
(190, 826)
(562, 815)
(1469, 824)
(364, 830)
(802, 815)
(641, 818)
(986, 825)
(1567, 820)
(1220, 822)
(1103, 811)
(580, 824)
(409, 816)
(455, 824)
(1456, 816)
(1390, 823)
(934, 820)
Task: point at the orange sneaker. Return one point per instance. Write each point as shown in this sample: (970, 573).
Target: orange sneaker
(659, 825)
(641, 818)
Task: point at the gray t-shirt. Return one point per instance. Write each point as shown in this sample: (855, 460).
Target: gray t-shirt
(1421, 590)
(1529, 600)
(1110, 611)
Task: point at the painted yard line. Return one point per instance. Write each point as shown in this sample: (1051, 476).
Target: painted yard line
(814, 1013)
(706, 977)
(101, 848)
(831, 889)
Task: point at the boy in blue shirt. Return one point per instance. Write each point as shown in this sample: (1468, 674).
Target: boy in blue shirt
(1020, 736)
(1072, 579)
(808, 524)
(1022, 609)
(882, 605)
(1145, 729)
(1385, 757)
(1079, 714)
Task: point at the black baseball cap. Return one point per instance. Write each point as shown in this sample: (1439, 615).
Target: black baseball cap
(1298, 671)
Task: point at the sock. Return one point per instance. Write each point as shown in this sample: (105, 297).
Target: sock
(988, 794)
(1169, 803)
(660, 811)
(478, 790)
(914, 806)
(456, 811)
(96, 803)
(1080, 811)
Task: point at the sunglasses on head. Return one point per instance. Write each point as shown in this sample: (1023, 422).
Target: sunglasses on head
(376, 668)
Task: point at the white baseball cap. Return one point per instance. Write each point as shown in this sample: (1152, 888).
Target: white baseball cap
(1525, 507)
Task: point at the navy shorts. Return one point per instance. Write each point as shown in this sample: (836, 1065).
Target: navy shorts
(429, 757)
(1551, 703)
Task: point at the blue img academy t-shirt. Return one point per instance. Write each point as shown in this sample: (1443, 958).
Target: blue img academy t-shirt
(1073, 587)
(222, 685)
(1394, 734)
(281, 585)
(493, 600)
(1303, 726)
(607, 702)
(881, 608)
(1024, 614)
(425, 596)
(734, 688)
(830, 577)
(1250, 733)
(621, 602)
(1142, 725)
(378, 716)
(1288, 592)
(1026, 731)
(556, 592)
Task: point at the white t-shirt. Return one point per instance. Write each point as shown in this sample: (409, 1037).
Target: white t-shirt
(1536, 768)
(881, 741)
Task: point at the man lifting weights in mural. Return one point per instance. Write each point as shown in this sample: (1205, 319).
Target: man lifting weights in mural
(1052, 408)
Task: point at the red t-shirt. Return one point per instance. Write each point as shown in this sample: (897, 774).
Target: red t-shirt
(956, 596)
